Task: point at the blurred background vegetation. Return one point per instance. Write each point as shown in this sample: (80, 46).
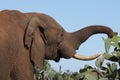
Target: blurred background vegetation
(107, 66)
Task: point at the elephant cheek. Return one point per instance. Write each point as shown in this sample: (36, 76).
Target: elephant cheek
(66, 49)
(66, 52)
(52, 57)
(56, 57)
(51, 54)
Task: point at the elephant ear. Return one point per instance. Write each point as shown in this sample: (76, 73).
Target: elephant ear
(34, 41)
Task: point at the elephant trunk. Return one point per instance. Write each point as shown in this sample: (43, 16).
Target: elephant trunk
(82, 35)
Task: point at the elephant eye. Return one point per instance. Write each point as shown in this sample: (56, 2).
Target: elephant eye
(61, 33)
(60, 36)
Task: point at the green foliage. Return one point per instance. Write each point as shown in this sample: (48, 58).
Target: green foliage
(110, 71)
(114, 42)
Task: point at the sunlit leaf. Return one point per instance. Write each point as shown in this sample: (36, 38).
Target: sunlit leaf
(107, 44)
(116, 39)
(91, 76)
(115, 33)
(114, 67)
(110, 57)
(99, 61)
(107, 56)
(116, 54)
(103, 79)
(58, 77)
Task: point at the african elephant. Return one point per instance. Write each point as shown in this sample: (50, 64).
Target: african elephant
(27, 39)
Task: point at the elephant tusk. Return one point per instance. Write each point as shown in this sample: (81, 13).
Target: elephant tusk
(85, 58)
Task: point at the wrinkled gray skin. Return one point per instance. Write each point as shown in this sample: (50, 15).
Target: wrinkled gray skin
(27, 39)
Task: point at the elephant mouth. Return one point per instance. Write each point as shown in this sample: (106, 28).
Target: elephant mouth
(81, 57)
(57, 59)
(85, 58)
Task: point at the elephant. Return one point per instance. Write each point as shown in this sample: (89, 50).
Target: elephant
(27, 39)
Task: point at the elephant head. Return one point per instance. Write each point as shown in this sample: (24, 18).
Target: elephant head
(72, 41)
(45, 38)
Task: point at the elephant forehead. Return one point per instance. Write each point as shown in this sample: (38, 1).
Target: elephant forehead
(53, 34)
